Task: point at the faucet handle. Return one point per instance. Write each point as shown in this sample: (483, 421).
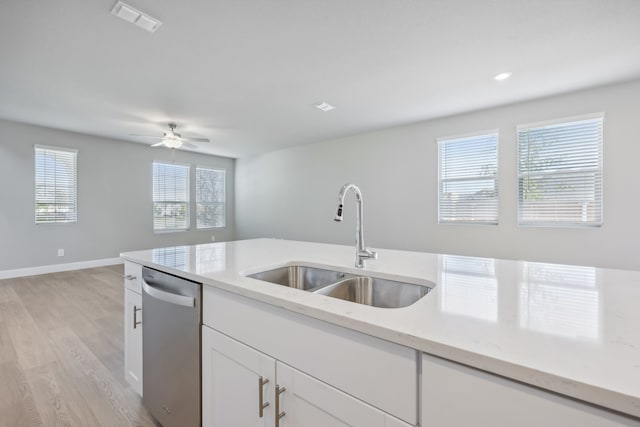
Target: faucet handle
(363, 255)
(368, 254)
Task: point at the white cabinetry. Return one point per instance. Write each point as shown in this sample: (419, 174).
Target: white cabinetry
(233, 378)
(454, 395)
(239, 389)
(133, 277)
(331, 375)
(133, 325)
(308, 402)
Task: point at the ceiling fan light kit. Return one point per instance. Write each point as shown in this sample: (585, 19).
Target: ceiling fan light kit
(172, 139)
(172, 143)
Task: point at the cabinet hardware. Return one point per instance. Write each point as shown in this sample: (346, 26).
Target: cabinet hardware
(129, 277)
(279, 415)
(136, 309)
(261, 403)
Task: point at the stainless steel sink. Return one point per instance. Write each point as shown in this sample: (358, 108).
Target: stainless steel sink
(375, 291)
(300, 277)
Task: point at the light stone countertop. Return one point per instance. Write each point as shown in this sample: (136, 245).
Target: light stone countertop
(571, 329)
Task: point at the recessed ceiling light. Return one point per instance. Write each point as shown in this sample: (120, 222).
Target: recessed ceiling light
(324, 106)
(501, 76)
(133, 15)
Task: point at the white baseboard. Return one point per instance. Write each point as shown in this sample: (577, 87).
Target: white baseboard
(54, 268)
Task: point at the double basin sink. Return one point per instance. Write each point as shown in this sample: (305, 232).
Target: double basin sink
(367, 290)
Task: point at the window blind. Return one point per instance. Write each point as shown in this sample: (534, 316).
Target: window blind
(170, 197)
(210, 197)
(560, 173)
(56, 185)
(468, 188)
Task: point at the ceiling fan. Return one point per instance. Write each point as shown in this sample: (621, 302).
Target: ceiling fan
(172, 139)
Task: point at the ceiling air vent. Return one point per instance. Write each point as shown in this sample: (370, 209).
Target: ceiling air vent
(133, 15)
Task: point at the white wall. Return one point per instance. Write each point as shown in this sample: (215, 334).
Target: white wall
(292, 193)
(114, 199)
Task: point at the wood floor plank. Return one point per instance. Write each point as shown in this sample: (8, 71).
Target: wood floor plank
(115, 363)
(100, 283)
(97, 283)
(79, 360)
(42, 301)
(19, 415)
(82, 299)
(17, 405)
(55, 407)
(102, 336)
(61, 352)
(7, 352)
(7, 294)
(30, 345)
(101, 306)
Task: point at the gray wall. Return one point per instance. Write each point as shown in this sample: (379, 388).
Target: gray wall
(114, 199)
(292, 193)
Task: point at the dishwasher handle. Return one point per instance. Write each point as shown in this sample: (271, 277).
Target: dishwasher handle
(168, 296)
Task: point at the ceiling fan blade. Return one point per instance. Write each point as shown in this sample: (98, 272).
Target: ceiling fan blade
(158, 144)
(188, 144)
(145, 136)
(195, 139)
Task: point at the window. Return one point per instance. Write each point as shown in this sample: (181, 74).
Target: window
(560, 173)
(210, 197)
(468, 188)
(56, 192)
(170, 197)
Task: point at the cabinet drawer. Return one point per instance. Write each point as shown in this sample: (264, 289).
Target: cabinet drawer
(378, 372)
(133, 276)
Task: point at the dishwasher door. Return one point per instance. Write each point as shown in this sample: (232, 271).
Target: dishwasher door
(171, 318)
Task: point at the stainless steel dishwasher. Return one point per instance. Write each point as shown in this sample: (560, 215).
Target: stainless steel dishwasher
(171, 348)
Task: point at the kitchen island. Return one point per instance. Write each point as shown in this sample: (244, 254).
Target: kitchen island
(559, 342)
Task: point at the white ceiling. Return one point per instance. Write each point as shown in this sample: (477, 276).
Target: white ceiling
(246, 73)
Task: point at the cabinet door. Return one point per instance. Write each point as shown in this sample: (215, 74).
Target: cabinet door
(133, 340)
(307, 402)
(236, 381)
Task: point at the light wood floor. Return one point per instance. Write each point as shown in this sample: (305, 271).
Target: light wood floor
(61, 351)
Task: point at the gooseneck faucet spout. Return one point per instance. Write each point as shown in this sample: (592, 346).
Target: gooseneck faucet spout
(362, 253)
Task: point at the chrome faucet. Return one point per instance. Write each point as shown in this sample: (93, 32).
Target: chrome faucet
(362, 253)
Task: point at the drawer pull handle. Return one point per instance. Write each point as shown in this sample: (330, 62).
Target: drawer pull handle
(279, 415)
(261, 403)
(129, 277)
(136, 309)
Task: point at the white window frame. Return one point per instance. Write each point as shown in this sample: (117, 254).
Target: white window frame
(520, 175)
(443, 140)
(223, 203)
(65, 150)
(187, 202)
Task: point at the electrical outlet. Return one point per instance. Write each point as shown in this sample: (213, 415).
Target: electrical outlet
(213, 237)
(60, 252)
